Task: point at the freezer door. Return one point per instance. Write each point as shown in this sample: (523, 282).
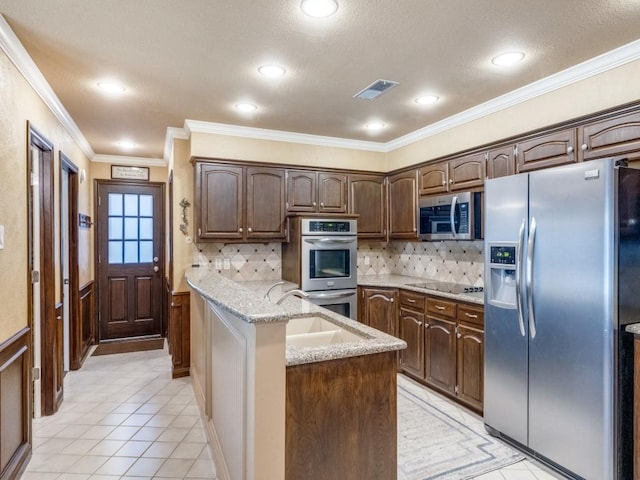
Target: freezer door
(505, 374)
(571, 349)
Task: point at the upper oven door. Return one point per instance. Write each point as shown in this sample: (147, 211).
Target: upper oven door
(446, 217)
(329, 262)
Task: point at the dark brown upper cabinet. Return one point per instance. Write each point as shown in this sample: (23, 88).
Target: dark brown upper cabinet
(501, 162)
(547, 151)
(265, 203)
(239, 203)
(316, 192)
(457, 174)
(615, 136)
(368, 199)
(403, 205)
(219, 202)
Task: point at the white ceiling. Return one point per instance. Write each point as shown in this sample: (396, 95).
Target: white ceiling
(194, 59)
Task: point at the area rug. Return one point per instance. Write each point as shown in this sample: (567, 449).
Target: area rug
(437, 440)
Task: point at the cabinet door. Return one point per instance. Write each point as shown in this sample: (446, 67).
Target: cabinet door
(301, 191)
(610, 137)
(411, 330)
(367, 198)
(220, 192)
(470, 366)
(265, 203)
(380, 309)
(434, 178)
(467, 172)
(501, 162)
(332, 193)
(547, 151)
(403, 206)
(440, 354)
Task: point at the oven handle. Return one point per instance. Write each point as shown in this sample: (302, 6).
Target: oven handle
(330, 240)
(330, 295)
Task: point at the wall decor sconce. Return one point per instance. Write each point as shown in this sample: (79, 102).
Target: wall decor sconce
(184, 203)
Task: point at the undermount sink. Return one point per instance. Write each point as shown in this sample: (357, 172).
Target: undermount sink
(315, 331)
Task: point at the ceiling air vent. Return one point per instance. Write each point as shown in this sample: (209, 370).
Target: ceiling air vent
(376, 89)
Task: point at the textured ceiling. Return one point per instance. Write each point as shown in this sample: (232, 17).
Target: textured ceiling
(194, 59)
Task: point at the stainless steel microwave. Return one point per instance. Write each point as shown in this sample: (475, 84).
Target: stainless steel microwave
(450, 217)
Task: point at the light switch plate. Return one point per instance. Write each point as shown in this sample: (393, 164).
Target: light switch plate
(1, 237)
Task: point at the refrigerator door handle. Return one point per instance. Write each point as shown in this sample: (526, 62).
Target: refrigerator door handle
(519, 261)
(452, 215)
(529, 276)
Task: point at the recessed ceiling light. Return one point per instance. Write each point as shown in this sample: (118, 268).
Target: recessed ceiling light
(246, 107)
(127, 144)
(272, 71)
(319, 8)
(508, 58)
(427, 99)
(375, 126)
(111, 87)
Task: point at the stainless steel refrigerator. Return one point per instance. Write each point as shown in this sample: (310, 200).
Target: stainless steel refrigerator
(562, 278)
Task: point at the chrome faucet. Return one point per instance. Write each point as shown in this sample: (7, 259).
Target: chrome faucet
(297, 292)
(281, 282)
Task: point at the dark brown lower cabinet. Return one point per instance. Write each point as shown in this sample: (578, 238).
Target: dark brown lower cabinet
(378, 309)
(411, 330)
(470, 366)
(440, 354)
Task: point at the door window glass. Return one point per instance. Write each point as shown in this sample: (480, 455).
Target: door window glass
(130, 228)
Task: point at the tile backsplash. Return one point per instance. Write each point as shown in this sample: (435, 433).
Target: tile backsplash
(460, 262)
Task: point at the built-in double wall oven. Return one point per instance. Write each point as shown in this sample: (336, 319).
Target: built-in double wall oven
(321, 258)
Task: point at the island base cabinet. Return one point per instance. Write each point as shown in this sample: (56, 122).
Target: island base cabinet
(341, 419)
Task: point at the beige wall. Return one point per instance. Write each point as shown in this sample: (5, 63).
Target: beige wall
(250, 149)
(183, 251)
(609, 89)
(19, 104)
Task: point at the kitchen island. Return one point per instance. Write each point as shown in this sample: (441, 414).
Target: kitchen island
(290, 391)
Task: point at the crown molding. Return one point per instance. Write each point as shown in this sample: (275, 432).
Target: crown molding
(197, 126)
(129, 161)
(173, 133)
(16, 52)
(589, 68)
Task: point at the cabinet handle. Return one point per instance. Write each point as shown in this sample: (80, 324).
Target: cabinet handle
(458, 335)
(584, 147)
(411, 300)
(569, 149)
(444, 182)
(240, 230)
(199, 232)
(439, 307)
(450, 181)
(470, 315)
(249, 229)
(321, 204)
(391, 300)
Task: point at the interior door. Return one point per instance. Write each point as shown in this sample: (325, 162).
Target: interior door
(130, 259)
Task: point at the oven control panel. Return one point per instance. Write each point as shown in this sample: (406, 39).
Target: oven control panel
(326, 226)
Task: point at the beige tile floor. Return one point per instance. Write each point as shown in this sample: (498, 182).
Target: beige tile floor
(123, 417)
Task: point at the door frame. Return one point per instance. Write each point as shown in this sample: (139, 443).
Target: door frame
(75, 331)
(51, 396)
(96, 183)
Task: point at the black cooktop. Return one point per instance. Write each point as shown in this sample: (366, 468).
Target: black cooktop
(447, 287)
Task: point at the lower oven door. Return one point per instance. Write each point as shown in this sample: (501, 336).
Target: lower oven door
(343, 302)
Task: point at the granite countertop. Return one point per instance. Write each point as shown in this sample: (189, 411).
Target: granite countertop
(403, 281)
(246, 301)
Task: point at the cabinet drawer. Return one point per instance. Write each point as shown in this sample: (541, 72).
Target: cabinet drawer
(471, 314)
(412, 300)
(442, 308)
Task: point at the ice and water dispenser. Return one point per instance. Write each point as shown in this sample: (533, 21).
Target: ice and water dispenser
(501, 288)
